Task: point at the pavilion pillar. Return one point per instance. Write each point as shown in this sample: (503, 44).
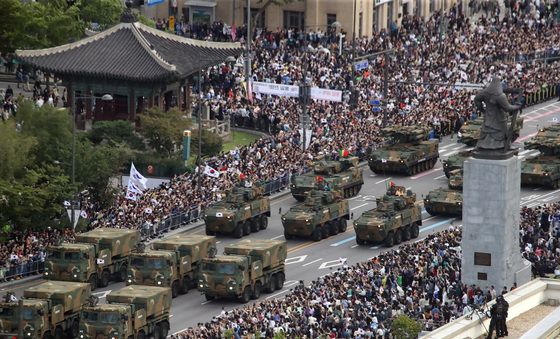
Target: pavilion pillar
(88, 108)
(131, 105)
(188, 101)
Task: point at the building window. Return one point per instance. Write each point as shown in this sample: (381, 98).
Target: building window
(331, 18)
(254, 12)
(294, 19)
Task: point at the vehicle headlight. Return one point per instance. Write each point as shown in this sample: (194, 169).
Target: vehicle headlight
(229, 217)
(427, 200)
(401, 160)
(130, 281)
(459, 203)
(29, 334)
(46, 273)
(75, 275)
(81, 335)
(306, 220)
(293, 185)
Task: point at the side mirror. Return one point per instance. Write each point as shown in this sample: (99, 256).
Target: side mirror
(86, 256)
(40, 313)
(124, 317)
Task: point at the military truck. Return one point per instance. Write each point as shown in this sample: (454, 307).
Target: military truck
(48, 310)
(408, 151)
(455, 161)
(172, 262)
(244, 210)
(456, 179)
(547, 140)
(323, 213)
(342, 175)
(245, 270)
(443, 201)
(397, 217)
(97, 257)
(469, 133)
(131, 312)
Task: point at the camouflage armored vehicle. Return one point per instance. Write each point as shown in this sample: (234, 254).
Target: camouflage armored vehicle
(455, 161)
(456, 179)
(541, 170)
(245, 270)
(131, 312)
(97, 257)
(49, 310)
(443, 201)
(342, 175)
(172, 262)
(547, 140)
(469, 133)
(396, 218)
(408, 151)
(323, 213)
(244, 210)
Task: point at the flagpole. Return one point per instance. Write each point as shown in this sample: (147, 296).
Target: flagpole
(199, 181)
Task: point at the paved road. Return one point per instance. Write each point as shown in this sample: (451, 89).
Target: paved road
(308, 260)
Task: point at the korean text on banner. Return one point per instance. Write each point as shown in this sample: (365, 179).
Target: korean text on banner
(154, 2)
(326, 94)
(275, 89)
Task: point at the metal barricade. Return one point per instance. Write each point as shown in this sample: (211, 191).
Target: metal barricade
(22, 270)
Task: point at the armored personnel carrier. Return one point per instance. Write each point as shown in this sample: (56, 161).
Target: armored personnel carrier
(456, 179)
(244, 210)
(455, 161)
(323, 213)
(396, 218)
(469, 133)
(408, 151)
(443, 201)
(342, 175)
(543, 169)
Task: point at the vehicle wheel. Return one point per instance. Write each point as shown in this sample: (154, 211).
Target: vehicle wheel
(58, 333)
(247, 227)
(333, 225)
(325, 230)
(123, 274)
(257, 291)
(164, 329)
(255, 224)
(429, 210)
(414, 231)
(157, 332)
(390, 240)
(406, 233)
(104, 279)
(74, 329)
(360, 241)
(141, 335)
(208, 232)
(264, 222)
(185, 286)
(208, 296)
(271, 285)
(47, 335)
(317, 235)
(93, 282)
(175, 289)
(342, 225)
(300, 199)
(287, 236)
(398, 237)
(246, 296)
(238, 231)
(280, 280)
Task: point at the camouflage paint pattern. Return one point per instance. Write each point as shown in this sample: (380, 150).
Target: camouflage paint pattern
(70, 262)
(443, 201)
(547, 140)
(342, 175)
(469, 133)
(396, 210)
(455, 161)
(456, 179)
(99, 322)
(33, 325)
(408, 151)
(242, 204)
(542, 170)
(154, 268)
(320, 207)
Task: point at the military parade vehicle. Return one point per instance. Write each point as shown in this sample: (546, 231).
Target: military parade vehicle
(244, 210)
(455, 161)
(49, 310)
(543, 169)
(130, 313)
(323, 213)
(397, 217)
(97, 257)
(343, 175)
(172, 262)
(444, 201)
(469, 133)
(456, 179)
(547, 140)
(245, 270)
(408, 151)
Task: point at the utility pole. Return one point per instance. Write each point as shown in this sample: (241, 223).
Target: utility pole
(74, 200)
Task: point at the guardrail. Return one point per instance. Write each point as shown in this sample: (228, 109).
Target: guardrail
(23, 270)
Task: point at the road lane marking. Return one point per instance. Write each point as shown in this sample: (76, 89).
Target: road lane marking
(312, 262)
(343, 241)
(427, 228)
(355, 246)
(277, 294)
(206, 302)
(278, 237)
(537, 197)
(295, 260)
(441, 176)
(333, 263)
(426, 173)
(526, 151)
(380, 181)
(362, 205)
(428, 219)
(542, 115)
(375, 247)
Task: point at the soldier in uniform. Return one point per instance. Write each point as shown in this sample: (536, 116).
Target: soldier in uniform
(502, 325)
(497, 317)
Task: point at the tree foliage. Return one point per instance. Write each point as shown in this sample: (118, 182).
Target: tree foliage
(211, 143)
(103, 12)
(15, 152)
(114, 133)
(405, 327)
(164, 130)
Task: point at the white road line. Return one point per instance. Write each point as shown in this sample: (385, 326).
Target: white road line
(362, 205)
(290, 283)
(380, 181)
(430, 218)
(539, 197)
(525, 151)
(548, 199)
(537, 188)
(278, 237)
(441, 176)
(355, 246)
(447, 146)
(312, 262)
(206, 302)
(375, 247)
(277, 294)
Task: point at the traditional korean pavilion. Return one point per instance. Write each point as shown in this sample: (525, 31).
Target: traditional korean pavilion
(137, 65)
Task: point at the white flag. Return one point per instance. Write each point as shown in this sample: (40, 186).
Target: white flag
(209, 171)
(132, 187)
(137, 177)
(131, 196)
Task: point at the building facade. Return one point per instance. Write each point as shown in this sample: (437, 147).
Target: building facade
(359, 17)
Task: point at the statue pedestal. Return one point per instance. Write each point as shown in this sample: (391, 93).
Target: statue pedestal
(490, 242)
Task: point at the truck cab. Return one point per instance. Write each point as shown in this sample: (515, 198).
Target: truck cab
(226, 275)
(70, 262)
(155, 268)
(114, 321)
(31, 320)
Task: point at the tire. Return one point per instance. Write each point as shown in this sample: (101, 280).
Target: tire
(255, 224)
(184, 287)
(389, 240)
(280, 278)
(317, 234)
(164, 329)
(93, 282)
(157, 332)
(123, 273)
(360, 241)
(271, 285)
(325, 230)
(247, 227)
(74, 330)
(47, 335)
(105, 277)
(342, 225)
(398, 237)
(141, 335)
(175, 289)
(333, 227)
(288, 236)
(414, 231)
(256, 291)
(58, 333)
(209, 297)
(208, 232)
(238, 231)
(264, 222)
(246, 296)
(406, 233)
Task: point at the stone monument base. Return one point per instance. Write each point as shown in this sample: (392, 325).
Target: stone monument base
(490, 242)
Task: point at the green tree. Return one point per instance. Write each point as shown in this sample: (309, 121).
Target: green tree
(103, 12)
(164, 130)
(404, 327)
(115, 133)
(211, 143)
(146, 21)
(15, 152)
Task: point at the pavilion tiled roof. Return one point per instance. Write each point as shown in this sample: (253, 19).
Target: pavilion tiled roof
(130, 52)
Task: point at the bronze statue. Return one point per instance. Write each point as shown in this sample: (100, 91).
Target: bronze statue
(495, 135)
